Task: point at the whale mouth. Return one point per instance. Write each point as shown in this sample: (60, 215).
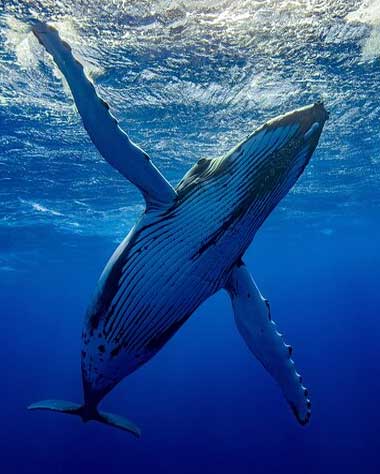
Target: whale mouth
(281, 155)
(312, 124)
(310, 121)
(304, 117)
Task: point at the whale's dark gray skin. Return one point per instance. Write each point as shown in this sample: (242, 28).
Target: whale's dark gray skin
(188, 244)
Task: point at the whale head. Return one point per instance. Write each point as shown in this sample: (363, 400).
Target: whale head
(293, 138)
(267, 164)
(240, 189)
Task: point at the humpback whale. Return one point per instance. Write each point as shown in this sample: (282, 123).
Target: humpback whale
(188, 244)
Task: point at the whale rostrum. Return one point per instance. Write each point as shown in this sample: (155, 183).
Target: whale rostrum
(188, 244)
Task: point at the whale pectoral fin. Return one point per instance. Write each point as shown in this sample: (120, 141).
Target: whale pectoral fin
(254, 322)
(111, 141)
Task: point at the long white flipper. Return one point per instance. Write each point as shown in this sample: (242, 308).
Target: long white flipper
(103, 129)
(254, 322)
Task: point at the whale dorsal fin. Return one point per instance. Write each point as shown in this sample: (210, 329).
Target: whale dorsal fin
(254, 322)
(111, 141)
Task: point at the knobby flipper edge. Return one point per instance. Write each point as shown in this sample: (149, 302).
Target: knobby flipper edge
(102, 127)
(255, 324)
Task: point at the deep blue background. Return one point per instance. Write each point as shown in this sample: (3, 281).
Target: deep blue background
(203, 403)
(189, 80)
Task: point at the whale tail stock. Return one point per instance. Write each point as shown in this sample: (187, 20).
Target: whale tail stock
(81, 410)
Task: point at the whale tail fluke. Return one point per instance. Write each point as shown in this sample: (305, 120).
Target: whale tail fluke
(70, 408)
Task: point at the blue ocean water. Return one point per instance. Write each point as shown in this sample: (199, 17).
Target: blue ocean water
(188, 80)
